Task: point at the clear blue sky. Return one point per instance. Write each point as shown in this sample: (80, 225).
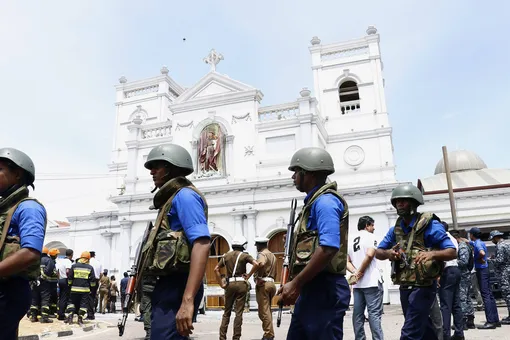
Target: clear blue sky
(447, 68)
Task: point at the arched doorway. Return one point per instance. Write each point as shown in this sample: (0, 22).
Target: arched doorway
(59, 245)
(215, 296)
(276, 245)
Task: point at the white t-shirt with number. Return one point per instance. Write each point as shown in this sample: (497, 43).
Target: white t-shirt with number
(358, 248)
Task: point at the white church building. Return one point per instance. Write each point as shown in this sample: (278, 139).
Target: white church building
(241, 150)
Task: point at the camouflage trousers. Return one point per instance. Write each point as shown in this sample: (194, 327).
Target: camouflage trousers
(465, 297)
(505, 287)
(146, 310)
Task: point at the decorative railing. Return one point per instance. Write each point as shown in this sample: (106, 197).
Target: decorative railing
(278, 112)
(157, 130)
(350, 52)
(141, 91)
(350, 107)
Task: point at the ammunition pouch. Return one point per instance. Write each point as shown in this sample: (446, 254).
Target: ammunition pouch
(306, 241)
(12, 244)
(167, 251)
(423, 274)
(407, 272)
(306, 244)
(171, 253)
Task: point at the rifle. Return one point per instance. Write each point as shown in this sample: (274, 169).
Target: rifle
(134, 276)
(286, 257)
(396, 266)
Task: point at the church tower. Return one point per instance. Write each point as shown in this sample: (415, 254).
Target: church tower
(349, 87)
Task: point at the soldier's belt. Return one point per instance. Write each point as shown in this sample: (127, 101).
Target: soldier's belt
(236, 279)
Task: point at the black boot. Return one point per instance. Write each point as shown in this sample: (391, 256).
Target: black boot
(69, 319)
(80, 320)
(147, 334)
(470, 322)
(33, 316)
(45, 319)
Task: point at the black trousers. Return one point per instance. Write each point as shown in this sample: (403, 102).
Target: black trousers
(450, 302)
(63, 297)
(41, 296)
(53, 298)
(92, 302)
(14, 303)
(79, 303)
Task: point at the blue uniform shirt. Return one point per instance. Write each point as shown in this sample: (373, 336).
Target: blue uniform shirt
(325, 216)
(479, 245)
(29, 222)
(187, 213)
(434, 236)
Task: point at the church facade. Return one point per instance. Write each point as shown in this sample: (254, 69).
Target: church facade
(241, 151)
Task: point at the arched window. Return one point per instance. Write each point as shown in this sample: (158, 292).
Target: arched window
(349, 96)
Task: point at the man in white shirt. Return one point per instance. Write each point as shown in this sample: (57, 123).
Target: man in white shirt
(367, 287)
(63, 266)
(449, 297)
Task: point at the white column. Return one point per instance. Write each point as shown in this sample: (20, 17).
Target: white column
(107, 250)
(305, 118)
(230, 155)
(125, 244)
(238, 224)
(132, 149)
(194, 154)
(251, 232)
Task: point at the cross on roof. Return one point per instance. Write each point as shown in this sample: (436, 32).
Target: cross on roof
(213, 59)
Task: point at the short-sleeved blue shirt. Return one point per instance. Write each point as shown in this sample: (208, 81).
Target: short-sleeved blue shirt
(325, 215)
(434, 236)
(479, 245)
(29, 223)
(187, 213)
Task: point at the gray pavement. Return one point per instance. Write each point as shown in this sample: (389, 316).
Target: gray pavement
(207, 327)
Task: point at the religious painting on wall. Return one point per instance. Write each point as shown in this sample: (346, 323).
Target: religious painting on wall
(211, 149)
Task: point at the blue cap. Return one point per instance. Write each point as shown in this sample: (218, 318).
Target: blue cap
(475, 231)
(495, 233)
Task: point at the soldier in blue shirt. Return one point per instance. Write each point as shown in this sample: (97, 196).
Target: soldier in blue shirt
(22, 238)
(319, 253)
(483, 276)
(177, 248)
(416, 245)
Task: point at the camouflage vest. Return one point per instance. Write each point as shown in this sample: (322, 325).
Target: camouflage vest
(12, 244)
(167, 251)
(307, 241)
(409, 273)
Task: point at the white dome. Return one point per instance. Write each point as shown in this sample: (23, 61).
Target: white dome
(461, 160)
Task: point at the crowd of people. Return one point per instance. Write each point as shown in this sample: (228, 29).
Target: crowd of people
(69, 286)
(427, 261)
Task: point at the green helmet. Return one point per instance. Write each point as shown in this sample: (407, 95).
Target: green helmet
(407, 191)
(312, 159)
(22, 160)
(173, 154)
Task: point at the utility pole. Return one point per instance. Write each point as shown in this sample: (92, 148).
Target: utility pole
(450, 188)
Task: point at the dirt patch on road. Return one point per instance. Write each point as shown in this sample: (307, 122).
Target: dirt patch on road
(28, 328)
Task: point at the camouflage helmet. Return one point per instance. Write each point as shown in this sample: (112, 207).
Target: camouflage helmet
(495, 233)
(22, 160)
(312, 159)
(173, 154)
(407, 191)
